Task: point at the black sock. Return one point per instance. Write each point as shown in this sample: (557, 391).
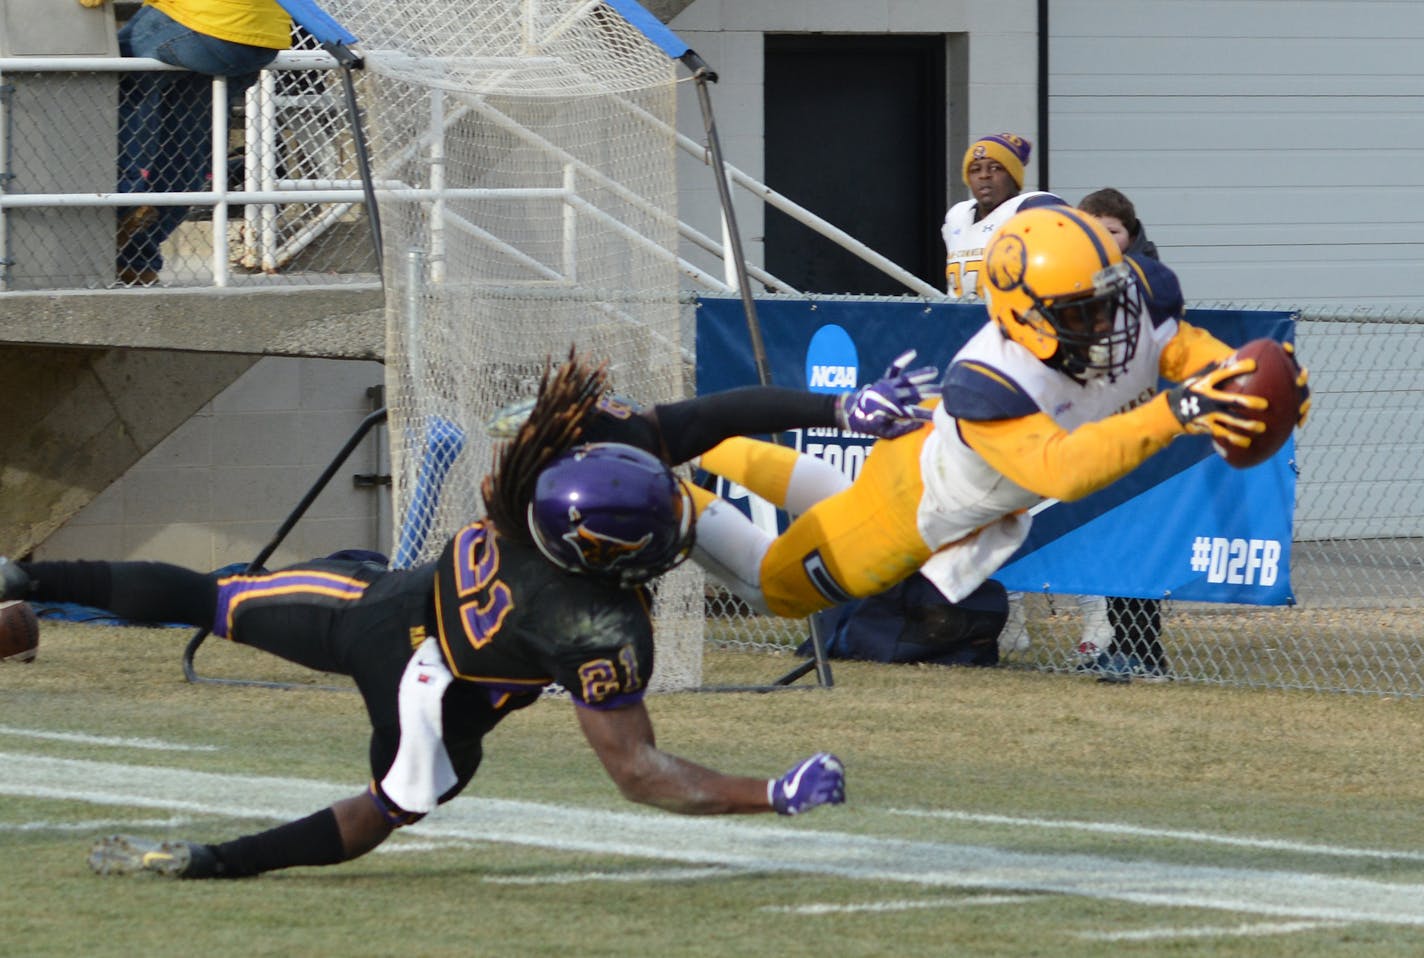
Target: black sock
(1137, 629)
(139, 591)
(314, 840)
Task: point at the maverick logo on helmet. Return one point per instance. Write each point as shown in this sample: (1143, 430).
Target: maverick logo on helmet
(600, 551)
(611, 510)
(1006, 262)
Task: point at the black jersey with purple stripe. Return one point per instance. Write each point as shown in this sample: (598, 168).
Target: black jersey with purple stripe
(508, 619)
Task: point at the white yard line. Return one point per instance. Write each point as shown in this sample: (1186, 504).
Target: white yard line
(911, 904)
(640, 875)
(96, 825)
(1255, 930)
(1136, 831)
(152, 744)
(757, 845)
(402, 846)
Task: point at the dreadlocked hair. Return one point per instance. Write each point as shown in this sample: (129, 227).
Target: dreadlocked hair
(561, 411)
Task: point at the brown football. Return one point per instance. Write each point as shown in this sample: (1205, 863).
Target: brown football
(19, 632)
(1274, 381)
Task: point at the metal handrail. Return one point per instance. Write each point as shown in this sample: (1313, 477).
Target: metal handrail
(286, 60)
(219, 197)
(289, 191)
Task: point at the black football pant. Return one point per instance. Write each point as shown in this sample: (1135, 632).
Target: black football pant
(332, 615)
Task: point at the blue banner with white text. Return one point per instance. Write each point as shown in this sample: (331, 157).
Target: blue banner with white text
(1184, 525)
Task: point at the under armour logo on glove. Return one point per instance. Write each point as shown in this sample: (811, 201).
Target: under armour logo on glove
(888, 408)
(819, 780)
(1204, 409)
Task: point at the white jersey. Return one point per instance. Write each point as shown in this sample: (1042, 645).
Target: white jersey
(970, 511)
(965, 239)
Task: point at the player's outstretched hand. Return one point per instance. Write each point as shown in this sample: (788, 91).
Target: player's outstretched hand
(1202, 408)
(888, 408)
(819, 780)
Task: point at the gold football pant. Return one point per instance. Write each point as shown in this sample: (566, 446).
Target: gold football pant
(851, 545)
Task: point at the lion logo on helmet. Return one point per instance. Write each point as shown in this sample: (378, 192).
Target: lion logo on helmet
(1007, 262)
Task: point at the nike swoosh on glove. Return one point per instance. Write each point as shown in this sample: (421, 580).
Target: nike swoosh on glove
(819, 780)
(888, 408)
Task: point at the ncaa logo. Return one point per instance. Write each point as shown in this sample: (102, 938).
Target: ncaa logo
(832, 364)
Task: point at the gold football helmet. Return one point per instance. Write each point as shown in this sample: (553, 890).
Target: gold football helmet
(1057, 285)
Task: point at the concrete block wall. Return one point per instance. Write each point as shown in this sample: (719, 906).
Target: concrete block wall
(216, 490)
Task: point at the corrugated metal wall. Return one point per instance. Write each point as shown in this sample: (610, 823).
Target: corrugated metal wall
(1275, 152)
(1274, 148)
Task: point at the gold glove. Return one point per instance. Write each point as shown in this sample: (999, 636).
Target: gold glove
(1204, 409)
(1302, 383)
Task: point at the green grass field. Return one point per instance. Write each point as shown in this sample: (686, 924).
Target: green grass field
(998, 812)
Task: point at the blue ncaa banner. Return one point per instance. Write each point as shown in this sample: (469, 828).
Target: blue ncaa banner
(1184, 525)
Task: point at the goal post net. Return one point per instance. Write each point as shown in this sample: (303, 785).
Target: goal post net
(524, 166)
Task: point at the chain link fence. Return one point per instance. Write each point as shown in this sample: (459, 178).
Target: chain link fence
(1358, 568)
(297, 135)
(1358, 552)
(70, 216)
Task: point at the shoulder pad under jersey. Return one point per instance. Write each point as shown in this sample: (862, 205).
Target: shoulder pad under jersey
(1042, 199)
(978, 392)
(1161, 290)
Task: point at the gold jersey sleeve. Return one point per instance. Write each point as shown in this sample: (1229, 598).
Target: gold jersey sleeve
(1189, 350)
(1038, 454)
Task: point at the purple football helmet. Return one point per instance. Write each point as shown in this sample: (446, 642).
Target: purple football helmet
(611, 510)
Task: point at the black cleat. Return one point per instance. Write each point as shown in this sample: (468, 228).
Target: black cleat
(15, 583)
(127, 855)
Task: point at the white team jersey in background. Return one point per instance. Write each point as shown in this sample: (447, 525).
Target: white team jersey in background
(965, 240)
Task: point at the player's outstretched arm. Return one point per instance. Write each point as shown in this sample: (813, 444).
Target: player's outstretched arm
(624, 742)
(889, 407)
(886, 408)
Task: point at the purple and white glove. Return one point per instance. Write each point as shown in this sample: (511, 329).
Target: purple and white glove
(819, 780)
(887, 408)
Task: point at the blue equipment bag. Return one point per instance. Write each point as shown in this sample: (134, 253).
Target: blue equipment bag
(913, 622)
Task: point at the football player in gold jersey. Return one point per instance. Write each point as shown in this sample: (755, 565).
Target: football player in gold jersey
(1054, 398)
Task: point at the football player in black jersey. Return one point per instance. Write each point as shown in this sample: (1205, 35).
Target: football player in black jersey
(548, 588)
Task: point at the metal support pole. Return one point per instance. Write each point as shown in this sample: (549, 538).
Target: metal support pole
(218, 156)
(371, 421)
(349, 61)
(702, 75)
